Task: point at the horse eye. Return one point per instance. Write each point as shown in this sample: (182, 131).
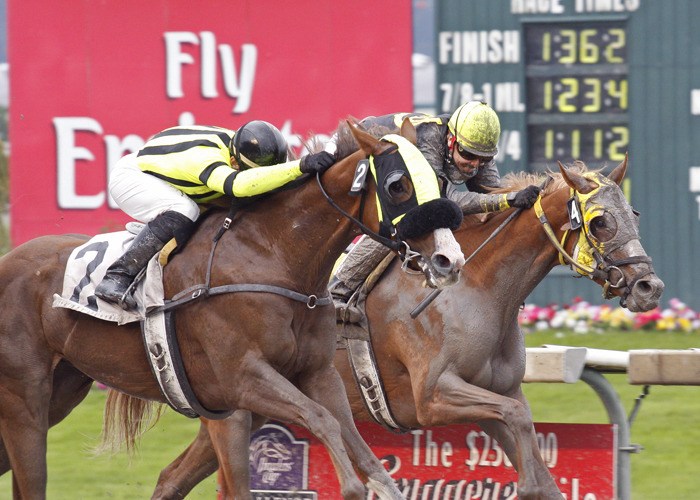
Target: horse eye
(395, 188)
(398, 187)
(603, 227)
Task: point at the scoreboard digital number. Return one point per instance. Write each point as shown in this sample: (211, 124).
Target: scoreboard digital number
(577, 92)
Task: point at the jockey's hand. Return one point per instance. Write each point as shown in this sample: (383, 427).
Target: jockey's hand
(524, 198)
(316, 162)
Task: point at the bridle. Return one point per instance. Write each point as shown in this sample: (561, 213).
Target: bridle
(394, 241)
(399, 246)
(591, 257)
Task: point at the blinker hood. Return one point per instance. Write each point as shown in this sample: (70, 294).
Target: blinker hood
(407, 161)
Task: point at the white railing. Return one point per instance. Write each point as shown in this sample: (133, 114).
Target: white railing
(564, 364)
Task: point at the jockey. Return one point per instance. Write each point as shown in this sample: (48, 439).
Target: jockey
(461, 148)
(181, 167)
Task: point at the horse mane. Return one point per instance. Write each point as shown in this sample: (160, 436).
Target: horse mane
(515, 181)
(346, 142)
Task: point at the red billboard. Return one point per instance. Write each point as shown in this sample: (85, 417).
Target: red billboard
(90, 81)
(454, 462)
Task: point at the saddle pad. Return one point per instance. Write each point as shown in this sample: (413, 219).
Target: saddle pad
(87, 266)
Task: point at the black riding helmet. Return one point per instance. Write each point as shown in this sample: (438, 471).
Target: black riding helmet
(258, 144)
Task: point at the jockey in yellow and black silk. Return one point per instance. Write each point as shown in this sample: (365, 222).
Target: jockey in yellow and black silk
(181, 167)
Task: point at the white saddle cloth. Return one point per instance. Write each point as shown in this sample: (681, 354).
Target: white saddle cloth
(87, 266)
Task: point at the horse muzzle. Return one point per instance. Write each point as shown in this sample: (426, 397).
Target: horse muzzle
(443, 268)
(644, 294)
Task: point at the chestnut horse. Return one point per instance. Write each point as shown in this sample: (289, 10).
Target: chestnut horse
(260, 352)
(463, 359)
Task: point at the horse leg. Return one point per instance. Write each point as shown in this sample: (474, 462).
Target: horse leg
(498, 431)
(326, 388)
(231, 441)
(69, 388)
(24, 425)
(193, 465)
(453, 401)
(278, 399)
(228, 439)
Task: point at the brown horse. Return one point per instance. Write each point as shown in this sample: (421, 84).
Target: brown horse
(255, 351)
(463, 359)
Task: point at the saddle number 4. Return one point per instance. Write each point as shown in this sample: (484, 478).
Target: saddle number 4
(574, 214)
(358, 183)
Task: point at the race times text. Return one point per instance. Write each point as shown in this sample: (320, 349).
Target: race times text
(578, 94)
(576, 43)
(590, 143)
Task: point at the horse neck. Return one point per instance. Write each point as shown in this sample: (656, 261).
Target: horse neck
(517, 260)
(306, 233)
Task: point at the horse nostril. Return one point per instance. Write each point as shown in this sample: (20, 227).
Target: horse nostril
(652, 287)
(644, 287)
(442, 263)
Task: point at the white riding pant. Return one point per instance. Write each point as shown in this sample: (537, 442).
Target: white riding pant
(143, 196)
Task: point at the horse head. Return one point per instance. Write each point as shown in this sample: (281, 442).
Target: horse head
(608, 248)
(408, 215)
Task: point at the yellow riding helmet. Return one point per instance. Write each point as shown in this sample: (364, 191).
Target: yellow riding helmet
(476, 128)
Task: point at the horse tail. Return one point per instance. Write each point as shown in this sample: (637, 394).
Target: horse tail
(126, 418)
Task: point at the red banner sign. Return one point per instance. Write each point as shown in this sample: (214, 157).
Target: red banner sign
(93, 86)
(454, 462)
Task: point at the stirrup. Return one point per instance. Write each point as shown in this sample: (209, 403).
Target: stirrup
(346, 310)
(128, 300)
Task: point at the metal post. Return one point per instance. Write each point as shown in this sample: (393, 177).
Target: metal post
(617, 416)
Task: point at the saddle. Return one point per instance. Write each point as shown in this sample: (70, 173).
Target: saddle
(354, 336)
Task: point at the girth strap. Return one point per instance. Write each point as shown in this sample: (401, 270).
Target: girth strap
(200, 291)
(164, 353)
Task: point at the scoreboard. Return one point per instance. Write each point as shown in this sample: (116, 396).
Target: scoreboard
(576, 91)
(590, 80)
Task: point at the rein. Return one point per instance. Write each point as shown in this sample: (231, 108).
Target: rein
(205, 290)
(393, 245)
(433, 295)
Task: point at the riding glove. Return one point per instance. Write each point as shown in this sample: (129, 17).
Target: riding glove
(524, 198)
(316, 162)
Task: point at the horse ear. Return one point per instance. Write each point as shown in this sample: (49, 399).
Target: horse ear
(366, 141)
(408, 131)
(351, 120)
(576, 181)
(619, 172)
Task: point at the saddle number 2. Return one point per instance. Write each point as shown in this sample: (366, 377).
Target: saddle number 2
(358, 183)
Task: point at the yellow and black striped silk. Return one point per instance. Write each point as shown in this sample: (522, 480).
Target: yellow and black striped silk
(194, 159)
(197, 161)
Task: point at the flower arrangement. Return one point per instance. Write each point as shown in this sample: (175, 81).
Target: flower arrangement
(582, 317)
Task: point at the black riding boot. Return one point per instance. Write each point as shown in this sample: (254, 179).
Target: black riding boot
(146, 244)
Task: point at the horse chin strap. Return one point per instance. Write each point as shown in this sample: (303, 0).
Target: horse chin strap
(585, 249)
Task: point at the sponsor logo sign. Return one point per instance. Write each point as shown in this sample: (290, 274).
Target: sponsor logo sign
(94, 86)
(452, 462)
